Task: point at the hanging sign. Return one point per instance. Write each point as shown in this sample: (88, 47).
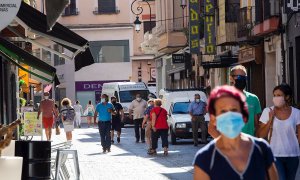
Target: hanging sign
(194, 26)
(8, 11)
(209, 27)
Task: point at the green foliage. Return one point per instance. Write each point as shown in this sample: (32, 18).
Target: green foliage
(22, 101)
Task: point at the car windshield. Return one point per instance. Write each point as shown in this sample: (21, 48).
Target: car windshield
(181, 108)
(128, 96)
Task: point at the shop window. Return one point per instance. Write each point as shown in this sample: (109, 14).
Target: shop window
(110, 51)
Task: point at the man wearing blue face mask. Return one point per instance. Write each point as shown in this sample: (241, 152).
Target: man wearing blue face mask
(197, 110)
(105, 110)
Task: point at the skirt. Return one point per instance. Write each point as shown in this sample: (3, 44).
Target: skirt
(68, 126)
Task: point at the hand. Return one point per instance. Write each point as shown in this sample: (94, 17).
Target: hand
(271, 114)
(154, 129)
(143, 125)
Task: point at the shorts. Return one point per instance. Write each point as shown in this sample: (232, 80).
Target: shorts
(90, 114)
(116, 125)
(48, 122)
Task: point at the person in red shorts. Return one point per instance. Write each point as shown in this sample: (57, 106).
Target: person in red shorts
(47, 108)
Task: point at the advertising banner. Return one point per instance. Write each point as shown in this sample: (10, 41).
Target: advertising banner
(8, 11)
(194, 9)
(32, 125)
(209, 27)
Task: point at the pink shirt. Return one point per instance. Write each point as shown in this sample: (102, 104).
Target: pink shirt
(46, 107)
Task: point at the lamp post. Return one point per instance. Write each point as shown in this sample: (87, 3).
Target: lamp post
(183, 6)
(139, 10)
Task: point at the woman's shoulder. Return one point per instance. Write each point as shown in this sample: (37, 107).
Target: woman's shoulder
(204, 154)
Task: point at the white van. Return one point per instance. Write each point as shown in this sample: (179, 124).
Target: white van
(125, 93)
(176, 102)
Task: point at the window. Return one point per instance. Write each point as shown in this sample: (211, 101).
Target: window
(148, 26)
(71, 9)
(106, 7)
(232, 8)
(46, 56)
(110, 51)
(58, 60)
(129, 96)
(181, 108)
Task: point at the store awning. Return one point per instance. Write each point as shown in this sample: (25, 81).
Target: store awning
(220, 62)
(36, 22)
(14, 54)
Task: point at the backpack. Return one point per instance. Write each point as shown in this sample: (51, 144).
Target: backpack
(69, 114)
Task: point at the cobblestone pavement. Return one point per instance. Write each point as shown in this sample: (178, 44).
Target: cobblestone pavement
(129, 160)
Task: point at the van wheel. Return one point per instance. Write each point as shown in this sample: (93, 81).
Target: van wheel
(173, 137)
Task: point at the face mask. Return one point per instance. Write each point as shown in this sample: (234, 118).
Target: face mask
(138, 99)
(240, 82)
(197, 100)
(46, 97)
(278, 101)
(230, 124)
(103, 100)
(113, 102)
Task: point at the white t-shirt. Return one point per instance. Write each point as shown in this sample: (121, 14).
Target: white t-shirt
(284, 142)
(77, 108)
(138, 108)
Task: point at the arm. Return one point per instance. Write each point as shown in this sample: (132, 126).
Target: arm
(122, 114)
(39, 111)
(256, 121)
(144, 120)
(200, 174)
(298, 132)
(263, 128)
(212, 130)
(153, 121)
(95, 116)
(272, 171)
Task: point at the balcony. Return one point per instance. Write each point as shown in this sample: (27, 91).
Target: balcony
(106, 10)
(245, 23)
(172, 35)
(227, 19)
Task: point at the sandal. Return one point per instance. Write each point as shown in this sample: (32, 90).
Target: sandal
(151, 152)
(165, 151)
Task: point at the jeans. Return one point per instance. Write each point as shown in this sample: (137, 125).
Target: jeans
(137, 127)
(199, 122)
(287, 167)
(104, 130)
(163, 133)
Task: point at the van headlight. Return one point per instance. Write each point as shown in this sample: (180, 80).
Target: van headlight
(181, 125)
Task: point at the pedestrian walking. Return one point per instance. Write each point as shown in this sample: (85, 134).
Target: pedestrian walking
(136, 112)
(280, 125)
(160, 127)
(89, 111)
(105, 111)
(147, 123)
(78, 111)
(233, 155)
(117, 119)
(238, 79)
(47, 108)
(67, 116)
(197, 110)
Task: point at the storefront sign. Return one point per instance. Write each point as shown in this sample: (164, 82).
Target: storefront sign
(177, 58)
(32, 125)
(8, 11)
(209, 27)
(194, 26)
(92, 85)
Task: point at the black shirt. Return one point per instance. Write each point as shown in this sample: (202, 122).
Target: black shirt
(118, 107)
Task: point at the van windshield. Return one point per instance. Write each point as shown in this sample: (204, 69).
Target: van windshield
(128, 96)
(181, 108)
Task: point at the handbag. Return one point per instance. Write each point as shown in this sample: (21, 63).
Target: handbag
(270, 130)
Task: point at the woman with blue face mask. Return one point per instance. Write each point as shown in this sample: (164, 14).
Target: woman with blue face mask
(232, 155)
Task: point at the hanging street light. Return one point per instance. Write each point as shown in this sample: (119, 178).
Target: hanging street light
(183, 4)
(139, 10)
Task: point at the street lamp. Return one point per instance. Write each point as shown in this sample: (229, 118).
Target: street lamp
(183, 4)
(139, 10)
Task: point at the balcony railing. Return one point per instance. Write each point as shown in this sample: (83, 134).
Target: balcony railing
(70, 12)
(106, 10)
(245, 21)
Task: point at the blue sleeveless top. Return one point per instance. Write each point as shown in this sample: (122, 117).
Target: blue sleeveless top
(218, 167)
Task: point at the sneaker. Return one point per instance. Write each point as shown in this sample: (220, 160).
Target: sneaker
(112, 141)
(118, 139)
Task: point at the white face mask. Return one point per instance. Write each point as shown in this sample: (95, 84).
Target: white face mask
(46, 97)
(197, 100)
(278, 101)
(138, 99)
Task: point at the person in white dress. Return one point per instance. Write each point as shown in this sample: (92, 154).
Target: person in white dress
(78, 111)
(280, 124)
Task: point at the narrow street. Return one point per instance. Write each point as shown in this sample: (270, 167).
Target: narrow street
(129, 160)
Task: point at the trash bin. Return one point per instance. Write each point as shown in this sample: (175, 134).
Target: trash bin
(36, 159)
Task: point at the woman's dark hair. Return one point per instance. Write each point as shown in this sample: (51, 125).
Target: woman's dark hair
(66, 102)
(77, 102)
(227, 91)
(90, 102)
(287, 91)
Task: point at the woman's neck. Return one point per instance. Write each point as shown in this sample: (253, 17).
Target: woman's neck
(230, 144)
(282, 108)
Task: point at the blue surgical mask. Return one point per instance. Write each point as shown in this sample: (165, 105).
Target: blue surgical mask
(230, 124)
